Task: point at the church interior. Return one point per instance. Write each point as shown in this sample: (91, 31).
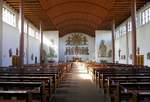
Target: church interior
(74, 51)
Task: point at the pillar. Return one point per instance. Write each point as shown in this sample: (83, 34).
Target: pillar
(21, 46)
(127, 44)
(133, 20)
(1, 32)
(41, 46)
(27, 49)
(113, 41)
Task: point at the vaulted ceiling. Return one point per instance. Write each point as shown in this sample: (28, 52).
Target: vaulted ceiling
(69, 16)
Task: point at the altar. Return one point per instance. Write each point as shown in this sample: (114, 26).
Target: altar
(77, 47)
(76, 59)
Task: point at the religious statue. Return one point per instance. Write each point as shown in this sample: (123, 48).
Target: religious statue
(119, 53)
(32, 56)
(17, 52)
(76, 50)
(68, 42)
(87, 51)
(138, 50)
(35, 60)
(84, 40)
(69, 50)
(66, 52)
(10, 52)
(102, 49)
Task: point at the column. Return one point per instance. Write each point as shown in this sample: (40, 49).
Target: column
(21, 48)
(1, 32)
(127, 44)
(41, 46)
(27, 49)
(133, 20)
(113, 41)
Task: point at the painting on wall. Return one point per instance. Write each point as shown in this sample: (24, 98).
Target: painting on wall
(52, 53)
(104, 50)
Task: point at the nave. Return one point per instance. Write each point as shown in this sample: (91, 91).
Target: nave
(78, 86)
(74, 50)
(75, 82)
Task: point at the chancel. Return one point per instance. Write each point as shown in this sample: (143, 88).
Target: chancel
(74, 51)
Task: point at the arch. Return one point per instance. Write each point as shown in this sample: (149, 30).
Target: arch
(76, 21)
(68, 8)
(85, 14)
(67, 2)
(77, 26)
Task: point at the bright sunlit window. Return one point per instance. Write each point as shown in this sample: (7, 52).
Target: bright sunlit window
(117, 34)
(129, 26)
(25, 27)
(145, 15)
(31, 32)
(37, 35)
(9, 17)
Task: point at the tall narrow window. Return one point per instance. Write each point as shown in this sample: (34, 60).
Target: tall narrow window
(9, 17)
(129, 26)
(145, 16)
(37, 35)
(31, 32)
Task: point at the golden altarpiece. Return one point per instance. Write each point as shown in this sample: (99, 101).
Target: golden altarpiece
(76, 46)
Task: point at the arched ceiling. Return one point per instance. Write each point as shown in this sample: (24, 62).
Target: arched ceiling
(69, 16)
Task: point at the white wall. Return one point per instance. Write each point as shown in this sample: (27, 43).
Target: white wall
(142, 42)
(91, 46)
(34, 48)
(11, 38)
(10, 41)
(142, 39)
(53, 38)
(107, 37)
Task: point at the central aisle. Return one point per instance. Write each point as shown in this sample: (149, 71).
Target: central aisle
(78, 87)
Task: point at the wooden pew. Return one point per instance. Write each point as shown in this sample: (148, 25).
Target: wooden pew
(24, 86)
(99, 77)
(112, 82)
(122, 78)
(23, 94)
(119, 73)
(138, 95)
(46, 80)
(132, 90)
(50, 77)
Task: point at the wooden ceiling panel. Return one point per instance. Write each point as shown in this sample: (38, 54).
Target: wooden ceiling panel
(76, 15)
